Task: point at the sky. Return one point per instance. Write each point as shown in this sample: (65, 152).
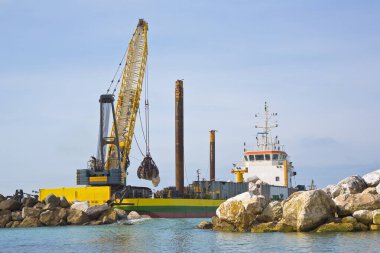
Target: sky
(316, 63)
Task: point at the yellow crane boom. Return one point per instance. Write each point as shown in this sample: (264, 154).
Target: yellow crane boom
(112, 160)
(129, 97)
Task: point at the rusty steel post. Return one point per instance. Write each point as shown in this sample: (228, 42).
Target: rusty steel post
(179, 147)
(212, 155)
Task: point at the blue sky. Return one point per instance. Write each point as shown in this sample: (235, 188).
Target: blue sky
(315, 62)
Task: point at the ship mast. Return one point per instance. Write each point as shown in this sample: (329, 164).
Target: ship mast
(264, 138)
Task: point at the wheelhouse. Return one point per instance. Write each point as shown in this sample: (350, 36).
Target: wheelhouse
(260, 156)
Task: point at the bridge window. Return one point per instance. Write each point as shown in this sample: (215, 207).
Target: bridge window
(251, 157)
(246, 158)
(259, 157)
(275, 157)
(267, 157)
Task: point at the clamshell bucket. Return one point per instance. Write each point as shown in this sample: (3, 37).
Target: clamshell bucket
(148, 170)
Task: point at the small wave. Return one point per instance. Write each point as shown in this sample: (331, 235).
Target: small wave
(132, 222)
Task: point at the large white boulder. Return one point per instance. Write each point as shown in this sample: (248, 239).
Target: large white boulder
(373, 178)
(133, 215)
(328, 189)
(347, 204)
(363, 216)
(241, 210)
(307, 210)
(81, 206)
(349, 185)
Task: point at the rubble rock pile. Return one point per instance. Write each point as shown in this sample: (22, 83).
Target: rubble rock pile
(351, 205)
(56, 211)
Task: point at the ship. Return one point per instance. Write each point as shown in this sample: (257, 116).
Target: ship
(268, 165)
(104, 179)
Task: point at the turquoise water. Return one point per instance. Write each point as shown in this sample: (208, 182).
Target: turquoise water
(176, 235)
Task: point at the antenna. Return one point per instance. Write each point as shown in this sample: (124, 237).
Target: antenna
(264, 139)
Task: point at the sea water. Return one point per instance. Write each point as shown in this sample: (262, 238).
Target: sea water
(176, 235)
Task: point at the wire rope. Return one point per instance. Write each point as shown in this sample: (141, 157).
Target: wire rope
(117, 71)
(134, 136)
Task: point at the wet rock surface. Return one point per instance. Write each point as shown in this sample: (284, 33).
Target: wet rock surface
(204, 225)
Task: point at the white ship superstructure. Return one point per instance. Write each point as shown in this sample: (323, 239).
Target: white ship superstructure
(269, 162)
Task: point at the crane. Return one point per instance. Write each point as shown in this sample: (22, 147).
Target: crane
(109, 167)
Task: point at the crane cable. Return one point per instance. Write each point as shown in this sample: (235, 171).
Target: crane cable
(147, 110)
(117, 71)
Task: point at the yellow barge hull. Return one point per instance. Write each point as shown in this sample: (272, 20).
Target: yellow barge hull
(154, 207)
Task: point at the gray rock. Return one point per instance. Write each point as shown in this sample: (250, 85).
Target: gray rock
(49, 218)
(95, 211)
(77, 217)
(222, 225)
(205, 225)
(349, 203)
(10, 204)
(378, 189)
(15, 224)
(305, 211)
(370, 190)
(9, 224)
(133, 215)
(62, 213)
(29, 201)
(5, 212)
(30, 212)
(349, 219)
(95, 222)
(241, 211)
(17, 216)
(376, 217)
(372, 179)
(108, 217)
(121, 214)
(52, 200)
(50, 207)
(63, 202)
(273, 212)
(4, 219)
(2, 198)
(39, 205)
(81, 206)
(328, 189)
(30, 222)
(349, 185)
(363, 216)
(54, 218)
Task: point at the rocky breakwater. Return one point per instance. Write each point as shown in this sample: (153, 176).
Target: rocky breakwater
(56, 211)
(351, 205)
